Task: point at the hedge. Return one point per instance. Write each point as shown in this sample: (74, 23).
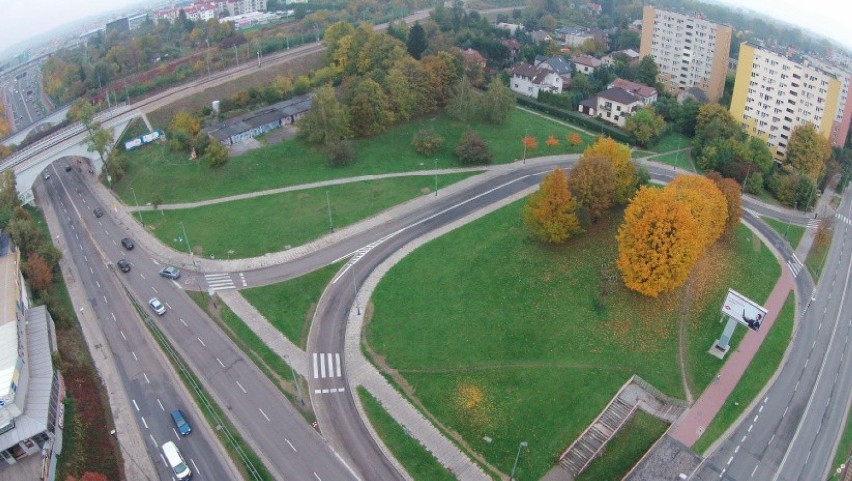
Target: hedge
(577, 118)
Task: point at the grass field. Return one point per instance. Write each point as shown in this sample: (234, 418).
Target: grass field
(671, 141)
(844, 451)
(767, 361)
(155, 170)
(626, 448)
(416, 460)
(502, 336)
(255, 226)
(815, 262)
(289, 305)
(681, 160)
(793, 233)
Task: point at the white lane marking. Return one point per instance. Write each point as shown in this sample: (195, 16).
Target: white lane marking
(760, 410)
(143, 422)
(98, 284)
(85, 258)
(105, 299)
(337, 361)
(161, 404)
(770, 440)
(322, 366)
(154, 289)
(722, 474)
(316, 372)
(330, 365)
(113, 243)
(737, 449)
(785, 411)
(146, 378)
(202, 342)
(122, 335)
(155, 261)
(729, 460)
(797, 387)
(177, 284)
(142, 276)
(113, 317)
(753, 470)
(743, 439)
(264, 414)
(167, 305)
(197, 471)
(291, 445)
(220, 362)
(158, 445)
(134, 355)
(184, 323)
(90, 270)
(241, 387)
(317, 476)
(135, 405)
(176, 433)
(750, 427)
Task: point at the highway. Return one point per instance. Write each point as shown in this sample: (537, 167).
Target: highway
(275, 431)
(21, 94)
(792, 433)
(148, 380)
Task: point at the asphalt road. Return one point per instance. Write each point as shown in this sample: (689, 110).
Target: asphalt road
(277, 433)
(143, 368)
(21, 97)
(792, 433)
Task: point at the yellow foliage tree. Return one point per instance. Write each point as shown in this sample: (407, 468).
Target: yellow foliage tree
(624, 171)
(551, 213)
(574, 139)
(658, 242)
(185, 122)
(592, 185)
(706, 202)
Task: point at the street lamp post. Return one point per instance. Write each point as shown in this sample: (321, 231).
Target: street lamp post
(526, 134)
(436, 177)
(328, 203)
(191, 256)
(295, 380)
(522, 444)
(137, 206)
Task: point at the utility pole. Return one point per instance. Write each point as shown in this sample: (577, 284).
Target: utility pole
(526, 134)
(137, 206)
(236, 57)
(328, 203)
(295, 380)
(258, 57)
(436, 177)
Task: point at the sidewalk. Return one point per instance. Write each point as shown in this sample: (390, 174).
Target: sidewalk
(692, 425)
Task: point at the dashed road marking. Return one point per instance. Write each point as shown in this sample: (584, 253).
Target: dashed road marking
(291, 445)
(135, 405)
(264, 414)
(241, 387)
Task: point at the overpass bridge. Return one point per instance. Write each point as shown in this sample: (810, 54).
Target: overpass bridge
(29, 162)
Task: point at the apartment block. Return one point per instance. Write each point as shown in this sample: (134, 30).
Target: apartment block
(689, 51)
(843, 116)
(774, 94)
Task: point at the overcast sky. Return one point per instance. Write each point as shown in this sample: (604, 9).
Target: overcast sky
(20, 19)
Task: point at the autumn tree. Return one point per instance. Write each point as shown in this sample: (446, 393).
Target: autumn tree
(706, 202)
(405, 87)
(807, 151)
(733, 197)
(591, 183)
(327, 121)
(657, 242)
(371, 107)
(625, 178)
(574, 139)
(38, 272)
(552, 141)
(645, 126)
(551, 213)
(216, 155)
(471, 149)
(427, 142)
(100, 140)
(529, 142)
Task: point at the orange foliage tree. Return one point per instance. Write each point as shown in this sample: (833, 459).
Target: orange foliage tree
(592, 185)
(658, 242)
(529, 142)
(706, 202)
(574, 139)
(626, 181)
(551, 213)
(733, 196)
(552, 141)
(38, 272)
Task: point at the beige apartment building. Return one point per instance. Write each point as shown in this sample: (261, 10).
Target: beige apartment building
(774, 94)
(840, 126)
(689, 51)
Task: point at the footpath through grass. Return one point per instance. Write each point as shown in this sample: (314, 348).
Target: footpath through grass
(155, 170)
(626, 448)
(793, 233)
(500, 336)
(289, 305)
(416, 460)
(766, 362)
(270, 223)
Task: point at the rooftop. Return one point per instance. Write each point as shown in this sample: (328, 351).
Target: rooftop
(619, 95)
(634, 88)
(9, 296)
(251, 120)
(587, 60)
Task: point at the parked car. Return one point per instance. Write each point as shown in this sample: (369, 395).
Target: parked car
(157, 306)
(127, 243)
(99, 212)
(123, 265)
(170, 272)
(181, 424)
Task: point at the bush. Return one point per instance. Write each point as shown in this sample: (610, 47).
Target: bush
(754, 183)
(576, 118)
(471, 149)
(427, 142)
(341, 153)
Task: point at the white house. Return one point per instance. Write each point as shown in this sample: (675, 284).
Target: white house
(561, 65)
(614, 105)
(586, 64)
(648, 95)
(528, 80)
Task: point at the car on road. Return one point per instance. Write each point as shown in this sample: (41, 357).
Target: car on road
(67, 168)
(127, 243)
(176, 462)
(123, 265)
(181, 424)
(157, 306)
(170, 272)
(99, 212)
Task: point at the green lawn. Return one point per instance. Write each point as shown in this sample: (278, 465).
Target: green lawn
(815, 262)
(255, 226)
(793, 233)
(682, 160)
(501, 336)
(626, 448)
(289, 305)
(671, 141)
(155, 170)
(766, 362)
(844, 451)
(416, 460)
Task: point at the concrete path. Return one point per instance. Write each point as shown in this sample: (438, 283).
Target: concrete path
(692, 425)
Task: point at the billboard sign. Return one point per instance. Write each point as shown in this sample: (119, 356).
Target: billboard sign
(744, 310)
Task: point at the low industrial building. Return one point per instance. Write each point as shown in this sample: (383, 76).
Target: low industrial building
(261, 121)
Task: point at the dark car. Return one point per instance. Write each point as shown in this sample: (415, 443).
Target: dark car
(170, 272)
(99, 212)
(127, 243)
(67, 168)
(181, 424)
(123, 265)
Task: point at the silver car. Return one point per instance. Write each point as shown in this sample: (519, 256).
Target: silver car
(157, 306)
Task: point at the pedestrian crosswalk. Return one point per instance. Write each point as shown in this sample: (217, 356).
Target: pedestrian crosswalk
(218, 282)
(843, 218)
(795, 265)
(326, 365)
(814, 223)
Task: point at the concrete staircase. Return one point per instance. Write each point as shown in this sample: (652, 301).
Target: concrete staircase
(635, 394)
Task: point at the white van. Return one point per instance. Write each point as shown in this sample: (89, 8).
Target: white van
(176, 461)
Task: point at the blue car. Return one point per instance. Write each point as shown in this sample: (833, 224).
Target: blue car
(180, 422)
